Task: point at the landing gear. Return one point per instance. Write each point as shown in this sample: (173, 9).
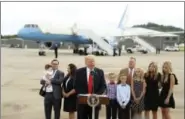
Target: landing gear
(41, 50)
(75, 50)
(42, 53)
(83, 52)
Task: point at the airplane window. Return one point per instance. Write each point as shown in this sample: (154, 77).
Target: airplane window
(26, 26)
(174, 38)
(31, 25)
(167, 38)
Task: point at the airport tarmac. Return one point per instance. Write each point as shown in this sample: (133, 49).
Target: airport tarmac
(22, 69)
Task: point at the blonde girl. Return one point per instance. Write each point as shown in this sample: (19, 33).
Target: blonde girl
(138, 90)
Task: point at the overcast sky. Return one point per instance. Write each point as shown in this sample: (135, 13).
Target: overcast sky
(90, 14)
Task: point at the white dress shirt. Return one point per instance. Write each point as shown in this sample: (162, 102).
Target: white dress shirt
(129, 71)
(123, 94)
(88, 72)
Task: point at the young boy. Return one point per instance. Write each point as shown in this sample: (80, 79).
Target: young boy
(123, 97)
(111, 109)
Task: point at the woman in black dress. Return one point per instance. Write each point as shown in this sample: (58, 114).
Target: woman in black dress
(166, 95)
(152, 79)
(69, 94)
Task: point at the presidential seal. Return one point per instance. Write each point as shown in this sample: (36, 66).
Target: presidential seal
(93, 100)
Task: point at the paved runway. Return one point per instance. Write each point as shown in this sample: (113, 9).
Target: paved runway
(22, 69)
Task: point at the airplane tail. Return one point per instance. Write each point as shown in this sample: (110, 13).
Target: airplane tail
(120, 25)
(74, 29)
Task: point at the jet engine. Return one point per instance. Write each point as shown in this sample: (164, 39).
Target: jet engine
(52, 45)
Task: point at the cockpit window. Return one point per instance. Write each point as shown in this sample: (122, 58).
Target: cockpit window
(31, 26)
(26, 26)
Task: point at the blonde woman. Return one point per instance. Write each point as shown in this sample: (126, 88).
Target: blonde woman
(166, 97)
(152, 79)
(138, 90)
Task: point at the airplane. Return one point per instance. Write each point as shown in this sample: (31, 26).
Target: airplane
(53, 37)
(52, 40)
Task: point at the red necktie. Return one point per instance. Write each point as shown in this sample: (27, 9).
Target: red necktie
(90, 84)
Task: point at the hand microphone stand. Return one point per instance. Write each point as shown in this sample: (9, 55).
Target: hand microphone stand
(93, 108)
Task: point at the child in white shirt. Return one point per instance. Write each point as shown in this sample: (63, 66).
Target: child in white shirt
(48, 73)
(123, 97)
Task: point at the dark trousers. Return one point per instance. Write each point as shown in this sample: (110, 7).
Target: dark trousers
(111, 109)
(124, 113)
(158, 51)
(85, 112)
(49, 102)
(114, 52)
(56, 52)
(119, 52)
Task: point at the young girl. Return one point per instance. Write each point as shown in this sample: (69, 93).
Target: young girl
(138, 91)
(48, 73)
(123, 97)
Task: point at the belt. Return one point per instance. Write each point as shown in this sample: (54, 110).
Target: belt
(49, 92)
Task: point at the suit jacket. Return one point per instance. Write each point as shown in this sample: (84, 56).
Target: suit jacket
(56, 84)
(70, 84)
(81, 84)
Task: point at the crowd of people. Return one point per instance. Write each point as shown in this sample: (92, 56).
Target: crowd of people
(130, 92)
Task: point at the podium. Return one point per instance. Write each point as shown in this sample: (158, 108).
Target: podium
(93, 100)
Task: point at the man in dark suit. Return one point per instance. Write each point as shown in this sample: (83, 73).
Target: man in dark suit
(53, 95)
(85, 84)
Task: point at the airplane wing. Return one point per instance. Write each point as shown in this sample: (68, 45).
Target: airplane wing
(175, 32)
(129, 32)
(144, 32)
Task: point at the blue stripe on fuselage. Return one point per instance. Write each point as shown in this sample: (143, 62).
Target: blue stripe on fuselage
(44, 37)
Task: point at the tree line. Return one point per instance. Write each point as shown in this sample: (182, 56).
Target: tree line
(163, 28)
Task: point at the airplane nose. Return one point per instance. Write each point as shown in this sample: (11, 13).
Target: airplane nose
(20, 32)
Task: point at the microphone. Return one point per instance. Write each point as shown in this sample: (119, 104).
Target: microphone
(93, 72)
